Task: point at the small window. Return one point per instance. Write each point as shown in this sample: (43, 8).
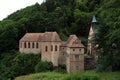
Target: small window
(46, 48)
(33, 45)
(56, 48)
(28, 44)
(51, 47)
(79, 49)
(73, 49)
(76, 57)
(36, 45)
(25, 45)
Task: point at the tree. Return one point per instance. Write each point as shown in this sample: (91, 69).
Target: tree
(108, 57)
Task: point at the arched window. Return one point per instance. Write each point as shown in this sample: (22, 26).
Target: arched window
(36, 45)
(24, 44)
(33, 45)
(46, 48)
(28, 44)
(56, 48)
(51, 47)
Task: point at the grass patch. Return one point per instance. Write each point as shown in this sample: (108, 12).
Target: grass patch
(81, 76)
(43, 76)
(110, 76)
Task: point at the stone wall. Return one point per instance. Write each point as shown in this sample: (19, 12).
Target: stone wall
(50, 52)
(75, 60)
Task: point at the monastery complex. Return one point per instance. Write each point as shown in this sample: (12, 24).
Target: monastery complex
(53, 49)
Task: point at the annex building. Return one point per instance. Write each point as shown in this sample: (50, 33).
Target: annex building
(53, 49)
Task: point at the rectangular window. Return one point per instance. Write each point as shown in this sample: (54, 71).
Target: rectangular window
(46, 48)
(76, 57)
(24, 44)
(36, 45)
(29, 45)
(33, 45)
(56, 48)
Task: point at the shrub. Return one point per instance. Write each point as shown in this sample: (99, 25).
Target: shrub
(60, 68)
(44, 66)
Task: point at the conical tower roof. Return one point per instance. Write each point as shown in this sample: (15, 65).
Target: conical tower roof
(94, 19)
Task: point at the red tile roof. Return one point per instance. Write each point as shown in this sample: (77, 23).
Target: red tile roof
(47, 36)
(31, 37)
(51, 36)
(73, 41)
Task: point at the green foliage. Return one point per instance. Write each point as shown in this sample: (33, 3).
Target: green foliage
(16, 64)
(8, 35)
(61, 68)
(44, 66)
(25, 63)
(109, 47)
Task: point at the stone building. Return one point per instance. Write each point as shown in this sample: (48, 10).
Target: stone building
(53, 49)
(72, 54)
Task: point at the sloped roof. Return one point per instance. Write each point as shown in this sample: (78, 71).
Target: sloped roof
(73, 41)
(51, 36)
(47, 36)
(32, 37)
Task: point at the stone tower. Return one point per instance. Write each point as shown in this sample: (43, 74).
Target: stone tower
(75, 55)
(93, 29)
